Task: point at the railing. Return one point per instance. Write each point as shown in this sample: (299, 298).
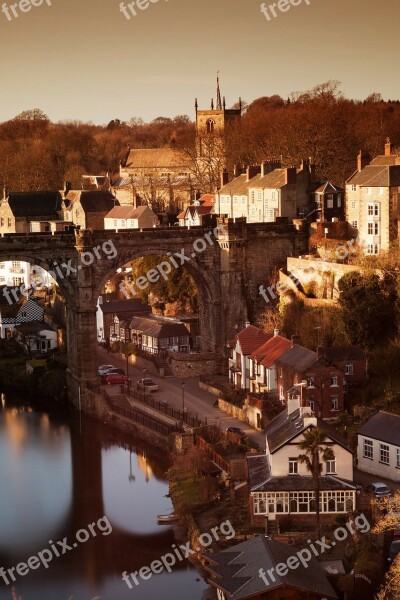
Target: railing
(142, 419)
(170, 411)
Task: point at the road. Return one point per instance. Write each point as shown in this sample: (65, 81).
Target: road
(197, 401)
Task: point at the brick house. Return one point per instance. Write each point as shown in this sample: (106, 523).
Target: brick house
(281, 487)
(236, 573)
(87, 209)
(351, 360)
(323, 382)
(18, 209)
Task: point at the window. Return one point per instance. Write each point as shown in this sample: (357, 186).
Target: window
(2, 222)
(331, 467)
(384, 454)
(235, 199)
(376, 228)
(8, 222)
(310, 382)
(329, 201)
(368, 449)
(281, 394)
(123, 223)
(370, 228)
(354, 224)
(260, 504)
(132, 223)
(349, 369)
(252, 195)
(335, 402)
(353, 188)
(353, 204)
(398, 458)
(334, 381)
(380, 191)
(372, 249)
(369, 190)
(339, 200)
(293, 466)
(115, 223)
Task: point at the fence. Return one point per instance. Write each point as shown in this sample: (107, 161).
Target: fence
(142, 419)
(170, 411)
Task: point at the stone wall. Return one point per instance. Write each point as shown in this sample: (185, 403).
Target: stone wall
(232, 410)
(201, 364)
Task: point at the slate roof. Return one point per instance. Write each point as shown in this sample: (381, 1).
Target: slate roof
(236, 187)
(236, 570)
(125, 306)
(250, 338)
(303, 483)
(298, 357)
(159, 329)
(151, 158)
(377, 175)
(268, 353)
(126, 212)
(97, 201)
(35, 204)
(383, 426)
(342, 353)
(284, 428)
(274, 180)
(328, 187)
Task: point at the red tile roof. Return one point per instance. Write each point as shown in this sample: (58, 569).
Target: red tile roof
(271, 350)
(251, 338)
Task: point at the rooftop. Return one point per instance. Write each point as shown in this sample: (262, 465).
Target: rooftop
(383, 426)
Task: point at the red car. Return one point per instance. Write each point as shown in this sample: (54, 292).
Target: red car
(116, 378)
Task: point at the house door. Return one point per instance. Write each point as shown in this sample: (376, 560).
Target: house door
(258, 421)
(271, 508)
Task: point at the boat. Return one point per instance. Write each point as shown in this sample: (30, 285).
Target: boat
(163, 519)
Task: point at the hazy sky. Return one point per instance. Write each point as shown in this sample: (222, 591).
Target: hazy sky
(83, 59)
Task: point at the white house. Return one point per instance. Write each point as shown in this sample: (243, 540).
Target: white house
(378, 450)
(38, 338)
(280, 485)
(16, 272)
(129, 217)
(242, 345)
(25, 311)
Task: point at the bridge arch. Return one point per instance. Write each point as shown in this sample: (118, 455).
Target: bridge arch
(206, 280)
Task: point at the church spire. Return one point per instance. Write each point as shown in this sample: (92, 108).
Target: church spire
(219, 101)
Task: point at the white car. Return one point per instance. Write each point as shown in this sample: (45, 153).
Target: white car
(147, 384)
(104, 369)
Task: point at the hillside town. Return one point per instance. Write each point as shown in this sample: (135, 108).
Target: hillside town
(292, 431)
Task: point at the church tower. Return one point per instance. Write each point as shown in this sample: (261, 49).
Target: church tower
(217, 117)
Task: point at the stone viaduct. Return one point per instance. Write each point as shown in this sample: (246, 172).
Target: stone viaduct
(228, 266)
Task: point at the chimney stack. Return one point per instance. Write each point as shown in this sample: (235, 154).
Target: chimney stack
(291, 175)
(389, 147)
(296, 339)
(252, 171)
(224, 177)
(363, 159)
(247, 324)
(267, 166)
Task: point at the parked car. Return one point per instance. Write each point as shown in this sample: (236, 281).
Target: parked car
(110, 371)
(104, 368)
(378, 490)
(147, 384)
(394, 550)
(116, 378)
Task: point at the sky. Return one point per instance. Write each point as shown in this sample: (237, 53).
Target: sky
(85, 60)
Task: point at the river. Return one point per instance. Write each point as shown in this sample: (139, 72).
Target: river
(60, 474)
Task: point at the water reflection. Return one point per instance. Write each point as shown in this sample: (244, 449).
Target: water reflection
(58, 477)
